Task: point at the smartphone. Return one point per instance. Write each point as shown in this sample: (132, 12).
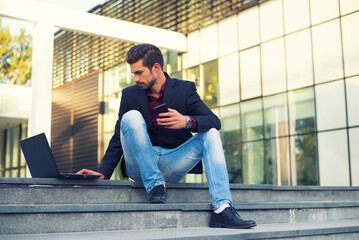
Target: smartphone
(161, 108)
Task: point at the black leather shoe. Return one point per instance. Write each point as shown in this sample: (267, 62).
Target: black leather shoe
(158, 194)
(229, 218)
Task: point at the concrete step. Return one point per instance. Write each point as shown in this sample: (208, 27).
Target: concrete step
(347, 229)
(54, 218)
(63, 191)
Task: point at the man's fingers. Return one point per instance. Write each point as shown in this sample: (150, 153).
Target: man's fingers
(86, 171)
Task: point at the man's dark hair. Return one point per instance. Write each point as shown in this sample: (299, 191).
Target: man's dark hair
(148, 52)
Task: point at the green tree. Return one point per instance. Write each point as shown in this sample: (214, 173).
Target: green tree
(15, 57)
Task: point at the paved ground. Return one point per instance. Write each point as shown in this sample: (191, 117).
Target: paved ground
(265, 230)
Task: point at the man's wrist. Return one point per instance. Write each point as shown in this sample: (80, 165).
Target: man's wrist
(188, 122)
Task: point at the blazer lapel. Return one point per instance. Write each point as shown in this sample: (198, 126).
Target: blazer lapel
(169, 91)
(143, 105)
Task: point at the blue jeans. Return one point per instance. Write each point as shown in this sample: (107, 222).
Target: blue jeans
(154, 165)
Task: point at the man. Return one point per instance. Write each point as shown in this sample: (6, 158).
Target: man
(161, 148)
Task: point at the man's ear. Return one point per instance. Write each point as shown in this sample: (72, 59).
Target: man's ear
(156, 67)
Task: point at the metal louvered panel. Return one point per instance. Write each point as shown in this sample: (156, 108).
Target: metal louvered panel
(75, 123)
(77, 55)
(61, 126)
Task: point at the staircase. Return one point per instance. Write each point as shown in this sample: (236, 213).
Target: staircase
(33, 208)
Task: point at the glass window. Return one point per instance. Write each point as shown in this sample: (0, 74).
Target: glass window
(301, 111)
(232, 153)
(333, 158)
(296, 15)
(177, 75)
(210, 83)
(248, 28)
(209, 43)
(299, 60)
(230, 120)
(323, 10)
(250, 74)
(352, 88)
(277, 161)
(330, 105)
(2, 152)
(327, 52)
(304, 160)
(252, 120)
(275, 116)
(15, 148)
(271, 17)
(185, 60)
(193, 48)
(253, 163)
(273, 67)
(193, 75)
(228, 37)
(228, 79)
(354, 155)
(350, 43)
(171, 63)
(348, 6)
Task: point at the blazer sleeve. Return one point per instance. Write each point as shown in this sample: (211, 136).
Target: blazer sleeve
(114, 151)
(197, 109)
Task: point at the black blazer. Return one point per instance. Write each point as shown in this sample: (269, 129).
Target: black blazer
(179, 95)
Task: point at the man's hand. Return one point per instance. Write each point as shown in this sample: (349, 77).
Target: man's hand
(86, 171)
(172, 120)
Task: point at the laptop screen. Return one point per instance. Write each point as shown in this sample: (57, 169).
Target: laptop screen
(39, 157)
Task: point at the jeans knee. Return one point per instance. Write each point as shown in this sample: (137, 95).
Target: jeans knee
(132, 119)
(211, 133)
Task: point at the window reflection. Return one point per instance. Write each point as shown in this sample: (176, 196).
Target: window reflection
(230, 120)
(193, 75)
(354, 155)
(253, 163)
(171, 62)
(353, 100)
(327, 52)
(252, 120)
(12, 162)
(348, 6)
(193, 49)
(208, 43)
(296, 13)
(275, 116)
(228, 79)
(248, 28)
(273, 67)
(304, 160)
(330, 102)
(210, 83)
(333, 158)
(299, 59)
(232, 153)
(277, 161)
(301, 111)
(250, 73)
(227, 39)
(271, 15)
(323, 10)
(350, 43)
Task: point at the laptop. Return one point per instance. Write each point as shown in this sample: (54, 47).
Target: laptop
(41, 162)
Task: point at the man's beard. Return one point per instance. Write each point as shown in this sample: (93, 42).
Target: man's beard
(147, 86)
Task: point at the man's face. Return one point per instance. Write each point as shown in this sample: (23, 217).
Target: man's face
(143, 77)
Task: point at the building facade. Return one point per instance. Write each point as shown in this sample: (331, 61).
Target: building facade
(15, 103)
(282, 75)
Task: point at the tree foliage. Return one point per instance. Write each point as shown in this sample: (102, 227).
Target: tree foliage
(15, 57)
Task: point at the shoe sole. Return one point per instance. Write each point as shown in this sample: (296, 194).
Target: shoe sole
(220, 225)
